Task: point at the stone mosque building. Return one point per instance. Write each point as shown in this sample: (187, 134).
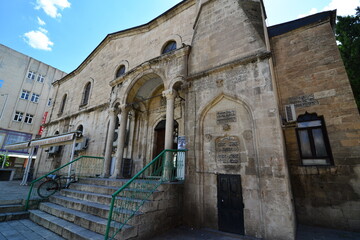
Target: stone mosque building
(268, 111)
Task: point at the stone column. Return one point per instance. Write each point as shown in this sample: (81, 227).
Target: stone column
(109, 143)
(169, 133)
(121, 142)
(169, 127)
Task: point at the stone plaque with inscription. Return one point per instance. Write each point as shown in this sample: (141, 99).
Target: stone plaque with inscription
(224, 117)
(227, 149)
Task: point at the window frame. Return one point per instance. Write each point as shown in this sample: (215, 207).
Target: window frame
(63, 103)
(120, 71)
(31, 75)
(18, 116)
(86, 95)
(169, 46)
(35, 98)
(25, 94)
(40, 78)
(28, 118)
(311, 118)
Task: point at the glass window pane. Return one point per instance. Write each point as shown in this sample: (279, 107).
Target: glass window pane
(309, 124)
(305, 143)
(320, 148)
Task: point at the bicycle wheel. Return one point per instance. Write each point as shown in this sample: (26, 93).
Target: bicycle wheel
(47, 188)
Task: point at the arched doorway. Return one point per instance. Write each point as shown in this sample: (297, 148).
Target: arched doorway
(159, 137)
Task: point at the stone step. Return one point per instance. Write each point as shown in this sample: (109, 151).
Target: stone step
(108, 190)
(10, 216)
(62, 227)
(11, 208)
(88, 221)
(135, 194)
(96, 209)
(117, 183)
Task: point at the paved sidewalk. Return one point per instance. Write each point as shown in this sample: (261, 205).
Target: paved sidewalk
(25, 230)
(12, 192)
(303, 233)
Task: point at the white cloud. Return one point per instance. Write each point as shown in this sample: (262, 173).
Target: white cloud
(312, 11)
(37, 39)
(43, 30)
(40, 21)
(51, 7)
(344, 8)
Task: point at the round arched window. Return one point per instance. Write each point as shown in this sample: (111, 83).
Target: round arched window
(120, 71)
(170, 46)
(80, 128)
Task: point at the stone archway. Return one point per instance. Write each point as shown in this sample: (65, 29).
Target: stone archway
(229, 149)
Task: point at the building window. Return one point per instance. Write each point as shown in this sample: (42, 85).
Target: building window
(28, 118)
(25, 94)
(40, 78)
(49, 102)
(170, 46)
(31, 75)
(18, 116)
(86, 94)
(35, 98)
(62, 106)
(120, 71)
(313, 140)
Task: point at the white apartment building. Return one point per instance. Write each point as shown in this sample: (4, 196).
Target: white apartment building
(25, 100)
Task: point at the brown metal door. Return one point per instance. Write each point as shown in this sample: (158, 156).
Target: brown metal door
(230, 204)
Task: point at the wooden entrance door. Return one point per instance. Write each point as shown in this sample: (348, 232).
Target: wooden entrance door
(159, 141)
(230, 204)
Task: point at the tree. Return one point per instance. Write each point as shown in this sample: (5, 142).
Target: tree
(2, 158)
(348, 36)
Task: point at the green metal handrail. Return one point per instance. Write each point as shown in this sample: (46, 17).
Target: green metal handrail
(59, 168)
(156, 173)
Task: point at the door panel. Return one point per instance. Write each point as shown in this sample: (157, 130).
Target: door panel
(230, 204)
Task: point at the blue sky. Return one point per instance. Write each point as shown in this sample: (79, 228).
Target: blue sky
(62, 33)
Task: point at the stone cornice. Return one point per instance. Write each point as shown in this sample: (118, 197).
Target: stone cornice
(183, 51)
(242, 61)
(130, 32)
(87, 110)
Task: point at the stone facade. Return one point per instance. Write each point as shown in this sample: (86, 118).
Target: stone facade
(308, 65)
(221, 89)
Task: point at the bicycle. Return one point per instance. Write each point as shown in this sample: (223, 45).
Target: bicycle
(54, 183)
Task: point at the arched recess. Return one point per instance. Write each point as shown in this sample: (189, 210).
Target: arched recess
(123, 63)
(228, 148)
(176, 38)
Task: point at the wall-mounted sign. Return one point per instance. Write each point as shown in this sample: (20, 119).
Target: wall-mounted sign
(224, 117)
(181, 142)
(227, 149)
(304, 100)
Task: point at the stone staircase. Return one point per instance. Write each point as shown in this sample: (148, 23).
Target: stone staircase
(81, 212)
(12, 210)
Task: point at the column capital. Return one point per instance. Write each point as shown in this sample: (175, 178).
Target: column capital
(169, 93)
(113, 111)
(124, 108)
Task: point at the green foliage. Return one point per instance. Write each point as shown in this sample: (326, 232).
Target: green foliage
(2, 157)
(348, 36)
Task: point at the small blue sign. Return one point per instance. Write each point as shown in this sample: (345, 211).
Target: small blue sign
(1, 83)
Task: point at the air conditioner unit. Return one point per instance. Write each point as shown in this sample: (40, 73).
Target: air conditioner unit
(290, 113)
(116, 135)
(82, 145)
(54, 149)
